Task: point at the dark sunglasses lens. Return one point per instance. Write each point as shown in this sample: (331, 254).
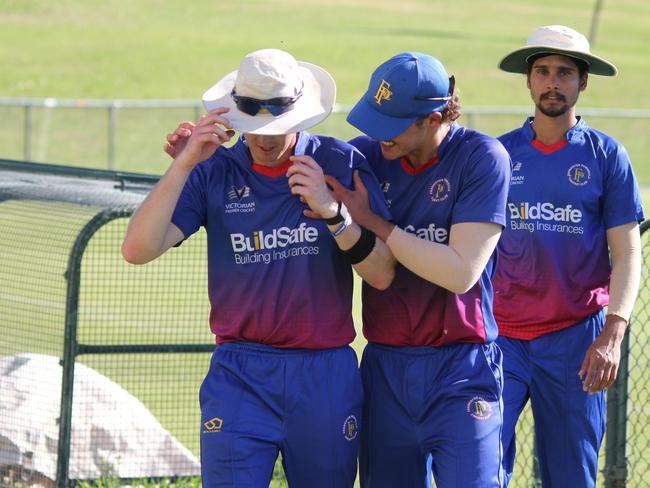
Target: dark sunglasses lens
(278, 109)
(248, 106)
(275, 106)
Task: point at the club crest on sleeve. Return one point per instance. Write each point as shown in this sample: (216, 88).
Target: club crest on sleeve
(479, 409)
(439, 190)
(579, 174)
(350, 428)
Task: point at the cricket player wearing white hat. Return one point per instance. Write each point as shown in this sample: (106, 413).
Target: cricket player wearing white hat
(573, 205)
(283, 377)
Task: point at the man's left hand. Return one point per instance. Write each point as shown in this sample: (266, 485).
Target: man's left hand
(600, 365)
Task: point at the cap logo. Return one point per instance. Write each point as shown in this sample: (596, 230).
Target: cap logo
(383, 92)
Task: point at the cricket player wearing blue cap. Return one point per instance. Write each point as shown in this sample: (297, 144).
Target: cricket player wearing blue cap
(431, 370)
(573, 204)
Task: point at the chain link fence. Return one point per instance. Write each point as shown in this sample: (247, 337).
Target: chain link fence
(128, 135)
(100, 361)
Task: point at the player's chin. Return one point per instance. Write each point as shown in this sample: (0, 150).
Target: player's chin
(390, 150)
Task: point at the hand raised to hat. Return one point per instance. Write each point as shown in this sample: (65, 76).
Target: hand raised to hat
(177, 140)
(196, 143)
(307, 180)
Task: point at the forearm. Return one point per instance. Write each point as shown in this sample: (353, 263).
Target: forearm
(378, 267)
(456, 266)
(600, 365)
(149, 227)
(625, 247)
(434, 262)
(613, 331)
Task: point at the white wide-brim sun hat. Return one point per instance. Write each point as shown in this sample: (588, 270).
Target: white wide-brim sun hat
(556, 39)
(272, 73)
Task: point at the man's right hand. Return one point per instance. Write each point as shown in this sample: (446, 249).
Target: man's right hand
(192, 143)
(177, 140)
(358, 204)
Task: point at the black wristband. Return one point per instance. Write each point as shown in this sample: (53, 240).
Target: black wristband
(362, 248)
(338, 218)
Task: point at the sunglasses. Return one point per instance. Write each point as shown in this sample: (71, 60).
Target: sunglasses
(275, 106)
(452, 83)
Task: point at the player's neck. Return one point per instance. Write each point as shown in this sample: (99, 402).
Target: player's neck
(428, 151)
(549, 130)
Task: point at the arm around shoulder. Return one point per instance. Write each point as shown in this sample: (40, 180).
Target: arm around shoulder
(456, 266)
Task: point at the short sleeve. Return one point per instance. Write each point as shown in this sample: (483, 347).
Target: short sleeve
(485, 183)
(370, 181)
(622, 200)
(190, 212)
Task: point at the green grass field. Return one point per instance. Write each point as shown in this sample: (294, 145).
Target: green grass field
(115, 49)
(153, 49)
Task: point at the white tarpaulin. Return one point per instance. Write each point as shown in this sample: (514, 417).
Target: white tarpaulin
(113, 433)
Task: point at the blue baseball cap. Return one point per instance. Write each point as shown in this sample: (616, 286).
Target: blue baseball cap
(404, 88)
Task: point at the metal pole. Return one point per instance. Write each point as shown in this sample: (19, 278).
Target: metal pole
(112, 123)
(537, 477)
(71, 345)
(27, 134)
(595, 22)
(68, 363)
(471, 120)
(615, 469)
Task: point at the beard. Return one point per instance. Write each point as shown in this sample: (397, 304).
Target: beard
(555, 111)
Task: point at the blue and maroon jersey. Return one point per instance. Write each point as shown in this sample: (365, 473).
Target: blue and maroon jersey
(467, 183)
(274, 276)
(554, 263)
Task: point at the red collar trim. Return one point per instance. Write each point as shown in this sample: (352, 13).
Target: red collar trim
(272, 171)
(412, 170)
(556, 146)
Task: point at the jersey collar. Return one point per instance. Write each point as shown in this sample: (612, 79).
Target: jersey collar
(416, 170)
(551, 148)
(573, 135)
(243, 156)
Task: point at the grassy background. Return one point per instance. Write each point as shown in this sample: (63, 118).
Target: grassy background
(174, 49)
(110, 49)
(115, 49)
